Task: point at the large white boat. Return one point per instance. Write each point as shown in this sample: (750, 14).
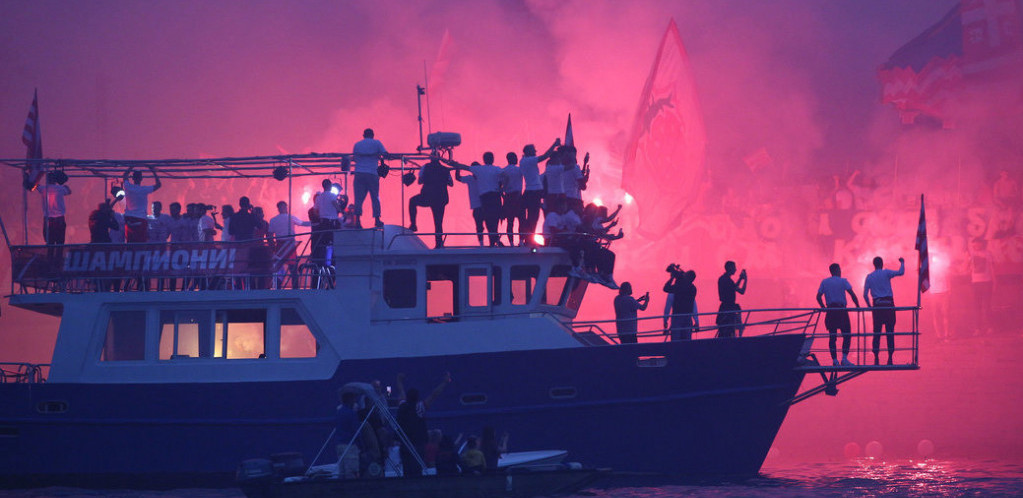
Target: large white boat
(160, 385)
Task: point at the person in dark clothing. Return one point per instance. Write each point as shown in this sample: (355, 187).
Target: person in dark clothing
(626, 307)
(435, 179)
(492, 448)
(411, 418)
(447, 457)
(243, 222)
(346, 424)
(682, 291)
(101, 221)
(729, 319)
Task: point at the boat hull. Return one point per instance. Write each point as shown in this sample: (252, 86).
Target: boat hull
(706, 407)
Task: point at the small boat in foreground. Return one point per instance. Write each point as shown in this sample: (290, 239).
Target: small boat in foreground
(520, 474)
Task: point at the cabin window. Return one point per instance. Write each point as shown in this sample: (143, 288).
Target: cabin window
(126, 336)
(478, 280)
(297, 341)
(400, 288)
(556, 285)
(441, 293)
(185, 334)
(523, 283)
(244, 333)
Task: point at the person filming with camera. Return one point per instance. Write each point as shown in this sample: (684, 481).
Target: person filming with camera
(680, 304)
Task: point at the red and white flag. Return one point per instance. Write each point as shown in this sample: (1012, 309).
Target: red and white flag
(924, 263)
(32, 137)
(664, 158)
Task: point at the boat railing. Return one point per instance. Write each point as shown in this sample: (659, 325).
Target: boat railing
(23, 373)
(460, 240)
(816, 353)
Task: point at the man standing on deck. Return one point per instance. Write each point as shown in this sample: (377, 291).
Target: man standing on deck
(367, 152)
(729, 318)
(531, 197)
(879, 285)
(136, 202)
(54, 226)
(833, 289)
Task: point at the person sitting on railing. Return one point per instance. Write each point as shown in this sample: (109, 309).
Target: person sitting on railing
(560, 229)
(831, 295)
(626, 306)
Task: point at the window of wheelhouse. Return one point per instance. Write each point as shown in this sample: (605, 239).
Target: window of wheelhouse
(523, 283)
(441, 293)
(297, 341)
(554, 291)
(400, 288)
(243, 331)
(230, 334)
(126, 336)
(185, 334)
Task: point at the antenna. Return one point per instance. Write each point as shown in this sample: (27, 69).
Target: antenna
(426, 80)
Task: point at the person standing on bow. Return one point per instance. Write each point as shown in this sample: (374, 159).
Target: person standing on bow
(878, 285)
(729, 319)
(136, 202)
(831, 295)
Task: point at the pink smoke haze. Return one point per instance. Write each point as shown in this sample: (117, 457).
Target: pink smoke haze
(794, 123)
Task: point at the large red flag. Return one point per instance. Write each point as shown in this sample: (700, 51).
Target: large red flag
(664, 158)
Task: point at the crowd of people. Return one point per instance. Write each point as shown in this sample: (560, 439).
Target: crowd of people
(513, 195)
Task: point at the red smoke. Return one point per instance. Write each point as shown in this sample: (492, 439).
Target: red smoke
(790, 102)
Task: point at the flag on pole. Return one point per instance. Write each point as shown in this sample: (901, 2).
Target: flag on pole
(32, 137)
(664, 158)
(569, 137)
(924, 263)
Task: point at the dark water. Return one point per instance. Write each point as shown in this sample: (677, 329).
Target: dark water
(864, 477)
